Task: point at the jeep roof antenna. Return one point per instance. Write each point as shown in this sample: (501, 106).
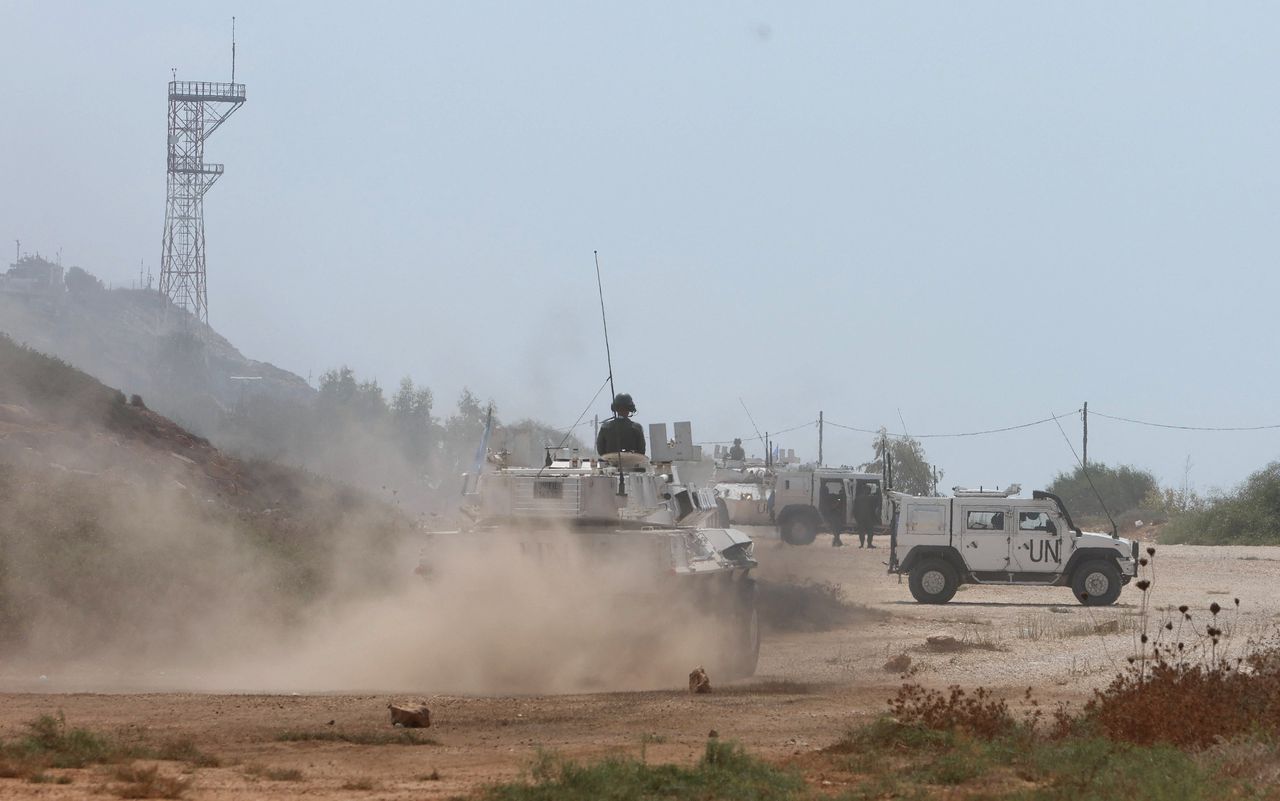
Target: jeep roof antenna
(1115, 532)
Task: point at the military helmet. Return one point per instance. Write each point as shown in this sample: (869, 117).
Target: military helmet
(623, 403)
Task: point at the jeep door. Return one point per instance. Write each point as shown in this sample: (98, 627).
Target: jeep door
(984, 537)
(1037, 542)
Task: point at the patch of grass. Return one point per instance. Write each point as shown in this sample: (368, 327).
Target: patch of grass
(897, 760)
(398, 737)
(260, 771)
(433, 776)
(769, 687)
(49, 743)
(183, 749)
(363, 783)
(725, 773)
(1040, 626)
(147, 782)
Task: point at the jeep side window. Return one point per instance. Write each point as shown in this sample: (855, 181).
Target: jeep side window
(1033, 521)
(985, 521)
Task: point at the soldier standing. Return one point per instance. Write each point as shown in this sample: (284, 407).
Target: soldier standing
(620, 434)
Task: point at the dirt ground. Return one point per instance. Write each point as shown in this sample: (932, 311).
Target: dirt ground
(809, 687)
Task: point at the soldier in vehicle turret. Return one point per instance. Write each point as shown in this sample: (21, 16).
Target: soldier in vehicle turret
(737, 453)
(620, 433)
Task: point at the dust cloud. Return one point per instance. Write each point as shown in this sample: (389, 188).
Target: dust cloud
(145, 585)
(507, 612)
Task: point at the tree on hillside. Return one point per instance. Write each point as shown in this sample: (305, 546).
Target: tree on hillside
(343, 397)
(463, 430)
(411, 417)
(912, 473)
(1122, 489)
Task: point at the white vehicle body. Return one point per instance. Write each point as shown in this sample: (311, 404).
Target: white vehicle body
(825, 499)
(620, 510)
(993, 538)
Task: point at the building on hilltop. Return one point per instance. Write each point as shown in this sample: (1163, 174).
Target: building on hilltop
(33, 276)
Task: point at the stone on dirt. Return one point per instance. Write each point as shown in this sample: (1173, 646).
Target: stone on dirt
(411, 716)
(898, 664)
(699, 681)
(943, 642)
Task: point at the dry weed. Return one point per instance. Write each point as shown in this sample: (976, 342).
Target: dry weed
(147, 782)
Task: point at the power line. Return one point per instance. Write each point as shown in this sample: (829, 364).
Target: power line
(959, 434)
(759, 437)
(1184, 428)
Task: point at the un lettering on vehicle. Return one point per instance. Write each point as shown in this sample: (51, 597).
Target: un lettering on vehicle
(1045, 551)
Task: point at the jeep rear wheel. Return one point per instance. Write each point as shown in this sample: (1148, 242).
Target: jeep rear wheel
(1096, 583)
(933, 581)
(798, 530)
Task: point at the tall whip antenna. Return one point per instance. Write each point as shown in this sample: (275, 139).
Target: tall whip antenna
(605, 320)
(233, 49)
(759, 436)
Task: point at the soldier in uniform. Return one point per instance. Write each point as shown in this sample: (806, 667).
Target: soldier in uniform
(620, 433)
(736, 452)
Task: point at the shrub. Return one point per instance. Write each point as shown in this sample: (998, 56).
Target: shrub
(980, 713)
(725, 772)
(1122, 488)
(1248, 516)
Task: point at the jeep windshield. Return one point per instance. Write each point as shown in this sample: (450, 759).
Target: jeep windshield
(1041, 495)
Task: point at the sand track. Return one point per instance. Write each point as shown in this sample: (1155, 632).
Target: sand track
(809, 688)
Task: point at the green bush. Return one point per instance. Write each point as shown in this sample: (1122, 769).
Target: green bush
(1122, 488)
(1249, 516)
(725, 772)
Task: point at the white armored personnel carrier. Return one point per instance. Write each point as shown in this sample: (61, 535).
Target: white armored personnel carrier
(635, 520)
(991, 537)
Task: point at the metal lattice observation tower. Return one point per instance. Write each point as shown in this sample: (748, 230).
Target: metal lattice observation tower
(196, 109)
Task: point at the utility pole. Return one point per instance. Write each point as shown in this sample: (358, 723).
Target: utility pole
(819, 439)
(1085, 415)
(768, 452)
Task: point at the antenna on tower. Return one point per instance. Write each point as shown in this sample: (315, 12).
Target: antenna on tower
(233, 49)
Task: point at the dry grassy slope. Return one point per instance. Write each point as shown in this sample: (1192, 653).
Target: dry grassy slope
(97, 491)
(125, 338)
(55, 416)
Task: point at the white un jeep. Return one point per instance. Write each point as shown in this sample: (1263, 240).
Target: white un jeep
(984, 537)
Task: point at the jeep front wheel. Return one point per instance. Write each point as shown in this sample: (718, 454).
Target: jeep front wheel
(933, 581)
(799, 530)
(1096, 583)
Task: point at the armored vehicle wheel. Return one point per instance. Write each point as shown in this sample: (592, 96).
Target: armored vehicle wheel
(1096, 583)
(746, 644)
(799, 530)
(722, 514)
(933, 581)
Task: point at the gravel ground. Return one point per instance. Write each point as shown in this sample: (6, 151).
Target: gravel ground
(810, 685)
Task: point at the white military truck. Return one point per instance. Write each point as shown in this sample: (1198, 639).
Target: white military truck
(826, 499)
(991, 537)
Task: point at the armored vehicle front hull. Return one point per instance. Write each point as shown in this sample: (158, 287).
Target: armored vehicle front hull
(625, 562)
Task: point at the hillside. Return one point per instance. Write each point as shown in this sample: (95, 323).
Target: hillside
(137, 340)
(398, 443)
(123, 533)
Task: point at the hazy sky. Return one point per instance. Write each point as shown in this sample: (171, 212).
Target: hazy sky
(959, 216)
